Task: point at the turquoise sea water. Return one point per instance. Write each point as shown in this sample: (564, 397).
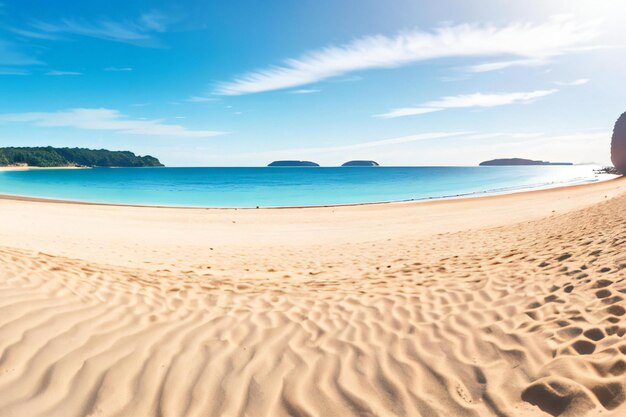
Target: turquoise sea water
(271, 187)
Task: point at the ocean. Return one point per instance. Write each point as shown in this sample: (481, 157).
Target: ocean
(282, 186)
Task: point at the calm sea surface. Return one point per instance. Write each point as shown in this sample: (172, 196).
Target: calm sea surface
(268, 187)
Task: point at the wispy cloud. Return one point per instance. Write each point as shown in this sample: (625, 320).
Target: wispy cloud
(11, 56)
(13, 71)
(488, 100)
(407, 111)
(105, 119)
(527, 42)
(118, 69)
(60, 73)
(499, 65)
(154, 20)
(295, 152)
(137, 32)
(200, 99)
(468, 100)
(305, 91)
(580, 81)
(26, 33)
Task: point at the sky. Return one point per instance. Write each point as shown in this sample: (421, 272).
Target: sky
(223, 83)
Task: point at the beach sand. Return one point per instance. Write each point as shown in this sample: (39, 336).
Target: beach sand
(508, 305)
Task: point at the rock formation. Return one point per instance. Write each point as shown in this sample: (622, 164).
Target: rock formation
(618, 144)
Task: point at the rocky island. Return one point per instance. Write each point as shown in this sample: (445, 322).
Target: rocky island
(294, 163)
(73, 157)
(519, 162)
(361, 163)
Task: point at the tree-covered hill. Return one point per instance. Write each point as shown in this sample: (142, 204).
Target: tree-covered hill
(61, 157)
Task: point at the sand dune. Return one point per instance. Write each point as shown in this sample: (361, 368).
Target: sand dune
(500, 306)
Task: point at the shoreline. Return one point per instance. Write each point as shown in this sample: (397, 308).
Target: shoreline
(478, 194)
(177, 236)
(26, 168)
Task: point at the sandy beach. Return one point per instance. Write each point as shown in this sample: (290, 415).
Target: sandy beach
(508, 305)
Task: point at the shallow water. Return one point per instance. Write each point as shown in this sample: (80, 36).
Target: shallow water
(281, 186)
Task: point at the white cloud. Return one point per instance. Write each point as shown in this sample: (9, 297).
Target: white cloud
(200, 99)
(407, 111)
(105, 119)
(499, 65)
(528, 42)
(137, 32)
(13, 71)
(118, 69)
(9, 55)
(362, 145)
(154, 20)
(33, 34)
(581, 81)
(487, 100)
(304, 91)
(59, 73)
(468, 100)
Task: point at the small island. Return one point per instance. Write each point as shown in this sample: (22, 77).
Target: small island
(361, 163)
(73, 157)
(294, 163)
(519, 162)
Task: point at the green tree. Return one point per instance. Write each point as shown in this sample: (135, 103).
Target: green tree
(54, 157)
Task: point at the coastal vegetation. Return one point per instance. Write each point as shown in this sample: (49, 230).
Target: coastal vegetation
(79, 157)
(618, 144)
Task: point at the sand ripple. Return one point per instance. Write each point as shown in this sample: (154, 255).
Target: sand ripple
(527, 319)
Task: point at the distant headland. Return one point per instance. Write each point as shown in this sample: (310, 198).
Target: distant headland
(73, 157)
(361, 163)
(519, 161)
(290, 163)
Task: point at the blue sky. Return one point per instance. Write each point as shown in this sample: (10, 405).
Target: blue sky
(243, 83)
